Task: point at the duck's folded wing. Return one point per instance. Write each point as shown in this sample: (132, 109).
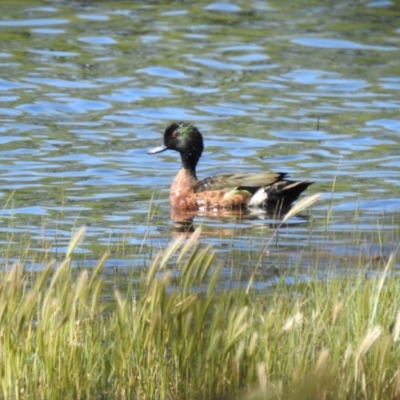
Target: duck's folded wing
(239, 181)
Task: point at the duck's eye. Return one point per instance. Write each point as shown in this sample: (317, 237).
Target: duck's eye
(175, 134)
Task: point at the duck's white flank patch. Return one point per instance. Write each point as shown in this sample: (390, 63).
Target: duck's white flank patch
(258, 198)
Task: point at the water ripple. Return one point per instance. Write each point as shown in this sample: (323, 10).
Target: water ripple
(329, 43)
(163, 72)
(33, 22)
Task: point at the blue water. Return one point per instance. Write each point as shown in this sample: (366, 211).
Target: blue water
(298, 87)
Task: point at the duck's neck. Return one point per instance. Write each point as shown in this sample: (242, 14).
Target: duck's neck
(189, 163)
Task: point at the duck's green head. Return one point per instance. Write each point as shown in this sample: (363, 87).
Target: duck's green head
(184, 138)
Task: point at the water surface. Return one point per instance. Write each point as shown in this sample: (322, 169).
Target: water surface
(302, 87)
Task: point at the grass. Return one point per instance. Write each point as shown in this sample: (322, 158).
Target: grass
(186, 338)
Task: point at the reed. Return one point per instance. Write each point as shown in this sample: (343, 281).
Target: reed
(184, 337)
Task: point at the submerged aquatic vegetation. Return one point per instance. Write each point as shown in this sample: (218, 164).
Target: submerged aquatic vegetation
(185, 338)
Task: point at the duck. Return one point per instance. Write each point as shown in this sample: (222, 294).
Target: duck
(222, 191)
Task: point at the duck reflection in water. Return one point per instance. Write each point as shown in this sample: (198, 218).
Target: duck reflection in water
(183, 219)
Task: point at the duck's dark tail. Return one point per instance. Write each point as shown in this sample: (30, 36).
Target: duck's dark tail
(286, 192)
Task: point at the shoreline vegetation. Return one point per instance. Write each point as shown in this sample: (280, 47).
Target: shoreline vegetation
(185, 338)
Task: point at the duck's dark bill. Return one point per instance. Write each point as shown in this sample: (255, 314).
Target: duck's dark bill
(158, 149)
